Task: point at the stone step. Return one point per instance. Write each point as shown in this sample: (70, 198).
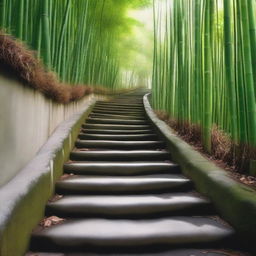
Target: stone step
(124, 235)
(114, 121)
(116, 126)
(129, 100)
(129, 114)
(123, 137)
(174, 252)
(105, 103)
(115, 116)
(118, 110)
(104, 131)
(120, 168)
(122, 109)
(117, 185)
(131, 206)
(120, 155)
(139, 100)
(106, 111)
(115, 144)
(121, 195)
(120, 106)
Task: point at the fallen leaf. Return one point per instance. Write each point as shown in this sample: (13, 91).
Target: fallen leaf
(55, 198)
(47, 223)
(50, 221)
(67, 175)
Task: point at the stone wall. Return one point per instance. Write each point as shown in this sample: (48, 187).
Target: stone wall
(27, 119)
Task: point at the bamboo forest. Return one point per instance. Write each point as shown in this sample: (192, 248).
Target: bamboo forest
(204, 62)
(127, 127)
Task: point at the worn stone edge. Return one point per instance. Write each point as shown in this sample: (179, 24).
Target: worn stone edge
(235, 202)
(23, 199)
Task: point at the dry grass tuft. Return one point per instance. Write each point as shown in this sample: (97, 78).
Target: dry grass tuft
(77, 91)
(222, 146)
(191, 133)
(18, 57)
(15, 55)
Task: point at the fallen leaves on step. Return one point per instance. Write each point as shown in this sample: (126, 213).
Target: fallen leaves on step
(55, 198)
(50, 221)
(67, 175)
(249, 180)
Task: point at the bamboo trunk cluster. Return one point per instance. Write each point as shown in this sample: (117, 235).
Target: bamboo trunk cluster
(74, 38)
(204, 70)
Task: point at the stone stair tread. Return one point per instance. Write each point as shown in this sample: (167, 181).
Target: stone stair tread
(121, 168)
(119, 110)
(117, 126)
(121, 194)
(127, 115)
(120, 155)
(114, 121)
(116, 112)
(125, 184)
(99, 109)
(132, 205)
(122, 103)
(175, 252)
(138, 104)
(116, 116)
(150, 136)
(83, 234)
(115, 103)
(104, 131)
(122, 107)
(116, 144)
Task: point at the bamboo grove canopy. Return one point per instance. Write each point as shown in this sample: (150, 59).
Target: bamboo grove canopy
(204, 59)
(205, 65)
(78, 39)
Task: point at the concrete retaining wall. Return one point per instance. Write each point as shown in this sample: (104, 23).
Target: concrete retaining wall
(27, 119)
(24, 197)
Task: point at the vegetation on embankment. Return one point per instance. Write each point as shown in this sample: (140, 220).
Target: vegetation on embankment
(222, 147)
(204, 73)
(15, 56)
(79, 40)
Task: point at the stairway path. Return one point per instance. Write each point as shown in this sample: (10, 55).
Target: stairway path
(122, 194)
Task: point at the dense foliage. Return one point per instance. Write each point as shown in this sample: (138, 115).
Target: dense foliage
(204, 69)
(78, 39)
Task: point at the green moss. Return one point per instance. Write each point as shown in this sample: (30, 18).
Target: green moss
(16, 235)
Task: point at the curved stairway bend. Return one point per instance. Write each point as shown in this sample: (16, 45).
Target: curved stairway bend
(125, 196)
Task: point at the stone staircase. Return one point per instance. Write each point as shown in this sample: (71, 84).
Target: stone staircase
(124, 195)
